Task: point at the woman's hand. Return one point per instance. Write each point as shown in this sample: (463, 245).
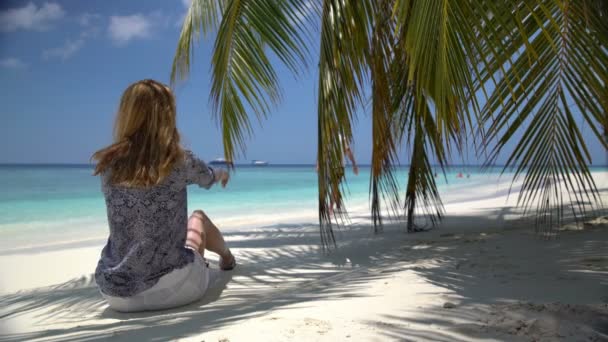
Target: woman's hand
(223, 177)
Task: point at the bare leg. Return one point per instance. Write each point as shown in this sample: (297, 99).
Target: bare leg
(211, 237)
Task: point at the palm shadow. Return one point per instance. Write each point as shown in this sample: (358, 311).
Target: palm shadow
(282, 265)
(217, 284)
(278, 266)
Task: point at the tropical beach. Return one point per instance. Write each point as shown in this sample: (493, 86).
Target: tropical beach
(297, 170)
(483, 274)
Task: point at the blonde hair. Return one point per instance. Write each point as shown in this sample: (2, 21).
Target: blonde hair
(146, 141)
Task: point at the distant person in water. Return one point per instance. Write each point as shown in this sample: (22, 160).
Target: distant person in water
(336, 198)
(154, 257)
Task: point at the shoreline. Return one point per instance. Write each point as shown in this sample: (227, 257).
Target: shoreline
(357, 206)
(482, 275)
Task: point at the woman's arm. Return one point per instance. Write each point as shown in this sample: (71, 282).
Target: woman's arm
(197, 172)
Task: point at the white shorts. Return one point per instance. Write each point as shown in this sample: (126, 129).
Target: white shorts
(179, 287)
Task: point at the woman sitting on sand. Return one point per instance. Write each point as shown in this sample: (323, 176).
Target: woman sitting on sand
(154, 256)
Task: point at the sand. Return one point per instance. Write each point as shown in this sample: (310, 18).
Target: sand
(482, 275)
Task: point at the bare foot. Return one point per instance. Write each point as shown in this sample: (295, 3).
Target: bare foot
(228, 261)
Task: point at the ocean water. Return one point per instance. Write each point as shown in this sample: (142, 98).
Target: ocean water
(42, 204)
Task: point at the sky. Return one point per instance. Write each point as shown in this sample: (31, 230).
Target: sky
(64, 65)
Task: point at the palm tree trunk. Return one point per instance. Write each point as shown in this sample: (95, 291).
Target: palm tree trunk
(606, 118)
(414, 173)
(376, 213)
(411, 205)
(606, 133)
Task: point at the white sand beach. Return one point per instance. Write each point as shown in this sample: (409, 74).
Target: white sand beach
(482, 275)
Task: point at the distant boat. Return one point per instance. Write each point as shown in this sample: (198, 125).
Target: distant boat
(259, 163)
(219, 161)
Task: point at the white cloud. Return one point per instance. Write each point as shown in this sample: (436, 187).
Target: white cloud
(64, 52)
(88, 19)
(187, 3)
(12, 63)
(90, 29)
(30, 17)
(122, 29)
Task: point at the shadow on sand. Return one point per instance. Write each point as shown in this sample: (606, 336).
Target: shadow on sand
(281, 265)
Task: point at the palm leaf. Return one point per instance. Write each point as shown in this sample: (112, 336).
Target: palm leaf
(428, 64)
(536, 101)
(421, 191)
(243, 77)
(344, 50)
(202, 15)
(446, 51)
(437, 41)
(383, 184)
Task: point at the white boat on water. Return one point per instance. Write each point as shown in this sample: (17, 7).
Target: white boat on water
(259, 163)
(219, 161)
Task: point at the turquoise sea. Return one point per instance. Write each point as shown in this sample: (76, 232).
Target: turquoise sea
(48, 204)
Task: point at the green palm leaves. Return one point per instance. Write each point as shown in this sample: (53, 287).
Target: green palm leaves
(438, 85)
(561, 70)
(436, 75)
(342, 68)
(385, 137)
(243, 79)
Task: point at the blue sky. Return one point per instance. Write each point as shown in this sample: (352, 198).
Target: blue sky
(64, 65)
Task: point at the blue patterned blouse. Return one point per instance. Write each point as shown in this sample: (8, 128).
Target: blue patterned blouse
(148, 230)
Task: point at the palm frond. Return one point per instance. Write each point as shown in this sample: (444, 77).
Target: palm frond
(383, 184)
(421, 191)
(420, 132)
(243, 77)
(439, 41)
(445, 55)
(536, 62)
(344, 50)
(536, 101)
(202, 15)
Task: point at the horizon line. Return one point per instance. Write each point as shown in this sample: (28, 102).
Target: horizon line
(258, 166)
